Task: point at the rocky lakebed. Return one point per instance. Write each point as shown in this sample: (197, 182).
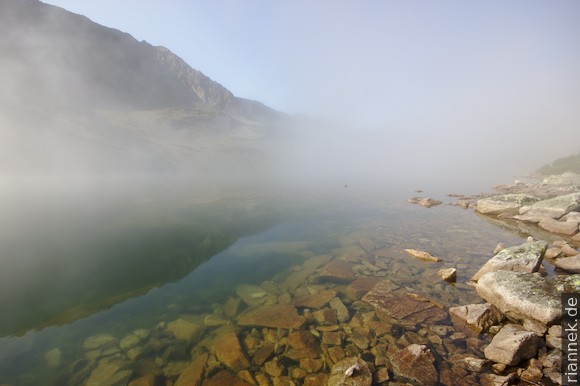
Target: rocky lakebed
(360, 316)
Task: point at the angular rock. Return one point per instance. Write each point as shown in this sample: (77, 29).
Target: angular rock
(512, 345)
(326, 317)
(186, 328)
(194, 373)
(263, 354)
(566, 178)
(569, 264)
(392, 303)
(497, 380)
(229, 351)
(526, 257)
(109, 373)
(252, 295)
(361, 286)
(523, 296)
(317, 300)
(315, 379)
(224, 378)
(554, 207)
(342, 313)
(504, 203)
(475, 318)
(568, 228)
(99, 341)
(337, 271)
(422, 255)
(416, 363)
(350, 372)
(275, 316)
(232, 307)
(448, 274)
(129, 341)
(301, 339)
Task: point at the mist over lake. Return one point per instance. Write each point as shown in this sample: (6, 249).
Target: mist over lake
(284, 193)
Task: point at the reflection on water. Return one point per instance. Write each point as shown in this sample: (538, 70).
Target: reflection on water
(115, 286)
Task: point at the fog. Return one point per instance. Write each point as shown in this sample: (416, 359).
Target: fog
(449, 95)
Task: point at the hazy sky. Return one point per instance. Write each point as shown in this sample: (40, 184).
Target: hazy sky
(481, 76)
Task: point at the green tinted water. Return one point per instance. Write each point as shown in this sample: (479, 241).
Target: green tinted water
(78, 265)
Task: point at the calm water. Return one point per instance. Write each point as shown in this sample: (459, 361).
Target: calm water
(104, 260)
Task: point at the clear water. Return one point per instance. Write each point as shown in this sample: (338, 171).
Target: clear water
(93, 260)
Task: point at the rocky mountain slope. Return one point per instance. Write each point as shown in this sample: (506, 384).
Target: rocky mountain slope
(80, 97)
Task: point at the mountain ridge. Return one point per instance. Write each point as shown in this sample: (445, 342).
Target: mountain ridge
(79, 93)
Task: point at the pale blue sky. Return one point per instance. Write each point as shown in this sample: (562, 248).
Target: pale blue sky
(434, 70)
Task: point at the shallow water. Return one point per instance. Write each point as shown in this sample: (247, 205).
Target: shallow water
(86, 262)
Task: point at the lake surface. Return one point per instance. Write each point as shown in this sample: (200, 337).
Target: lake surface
(100, 275)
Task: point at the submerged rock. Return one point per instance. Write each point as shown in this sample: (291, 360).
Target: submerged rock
(193, 374)
(523, 296)
(224, 378)
(337, 271)
(109, 373)
(361, 286)
(422, 255)
(186, 328)
(275, 316)
(526, 257)
(317, 300)
(504, 203)
(350, 372)
(512, 345)
(392, 303)
(229, 351)
(99, 341)
(416, 363)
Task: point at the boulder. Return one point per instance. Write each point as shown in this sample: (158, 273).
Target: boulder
(428, 202)
(342, 313)
(350, 372)
(109, 373)
(475, 318)
(523, 296)
(568, 228)
(554, 207)
(567, 178)
(569, 264)
(512, 345)
(252, 295)
(408, 308)
(526, 257)
(229, 351)
(504, 203)
(416, 363)
(274, 316)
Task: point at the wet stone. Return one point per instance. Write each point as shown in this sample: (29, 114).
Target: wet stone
(333, 338)
(416, 363)
(317, 300)
(99, 341)
(224, 378)
(273, 368)
(350, 372)
(232, 307)
(52, 357)
(275, 316)
(326, 316)
(408, 308)
(252, 295)
(342, 313)
(311, 365)
(337, 271)
(263, 354)
(229, 351)
(186, 328)
(129, 341)
(194, 372)
(361, 286)
(109, 373)
(315, 380)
